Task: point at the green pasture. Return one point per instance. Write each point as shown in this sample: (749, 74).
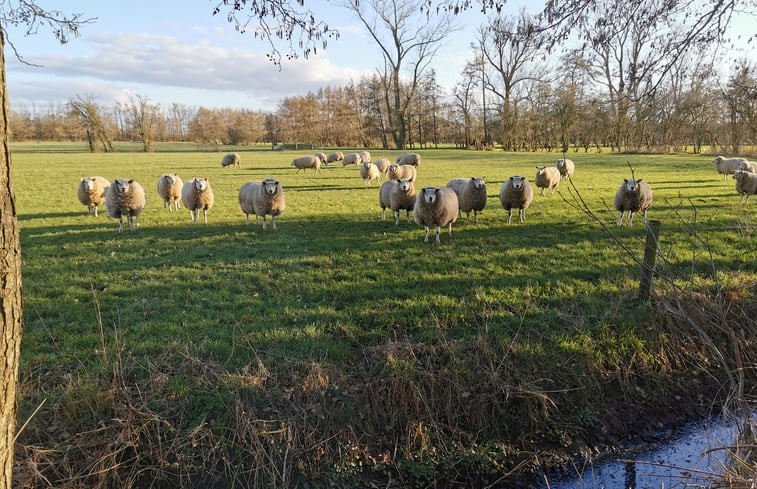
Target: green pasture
(335, 282)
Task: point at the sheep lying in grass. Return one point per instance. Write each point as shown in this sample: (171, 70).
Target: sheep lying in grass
(169, 189)
(262, 199)
(383, 165)
(436, 207)
(231, 159)
(125, 197)
(92, 192)
(413, 159)
(632, 196)
(471, 194)
(402, 197)
(369, 172)
(352, 159)
(335, 156)
(726, 166)
(307, 162)
(748, 166)
(547, 177)
(516, 193)
(397, 172)
(566, 167)
(197, 195)
(746, 184)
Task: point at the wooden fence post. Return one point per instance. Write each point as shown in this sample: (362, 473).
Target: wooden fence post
(650, 254)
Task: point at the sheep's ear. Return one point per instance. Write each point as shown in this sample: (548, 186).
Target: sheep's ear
(131, 181)
(638, 181)
(625, 180)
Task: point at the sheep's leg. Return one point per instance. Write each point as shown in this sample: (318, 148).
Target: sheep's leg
(120, 224)
(620, 219)
(205, 215)
(630, 219)
(475, 216)
(130, 220)
(176, 204)
(246, 219)
(436, 232)
(95, 211)
(264, 221)
(425, 240)
(542, 190)
(522, 215)
(397, 215)
(273, 222)
(747, 199)
(509, 215)
(407, 215)
(383, 214)
(450, 230)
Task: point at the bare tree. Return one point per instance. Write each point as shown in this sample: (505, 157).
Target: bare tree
(89, 114)
(407, 46)
(143, 116)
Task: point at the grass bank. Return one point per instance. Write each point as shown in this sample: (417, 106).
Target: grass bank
(341, 348)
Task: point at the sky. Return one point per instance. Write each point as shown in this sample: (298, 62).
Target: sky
(177, 51)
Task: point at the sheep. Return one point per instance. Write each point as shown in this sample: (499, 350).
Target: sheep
(436, 206)
(169, 189)
(125, 197)
(383, 165)
(547, 177)
(726, 166)
(322, 157)
(633, 196)
(231, 159)
(413, 159)
(748, 166)
(369, 172)
(197, 195)
(516, 193)
(746, 184)
(471, 195)
(335, 156)
(402, 197)
(397, 172)
(307, 162)
(352, 159)
(92, 192)
(262, 199)
(365, 156)
(566, 167)
(385, 193)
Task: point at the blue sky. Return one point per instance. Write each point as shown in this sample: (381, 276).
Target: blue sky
(171, 51)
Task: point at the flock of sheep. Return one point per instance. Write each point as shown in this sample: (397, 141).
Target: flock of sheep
(435, 207)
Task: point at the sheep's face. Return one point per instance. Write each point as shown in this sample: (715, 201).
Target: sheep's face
(717, 160)
(516, 182)
(201, 184)
(405, 184)
(88, 184)
(631, 185)
(540, 170)
(478, 182)
(122, 185)
(739, 174)
(560, 163)
(270, 186)
(429, 194)
(367, 165)
(393, 168)
(169, 179)
(742, 165)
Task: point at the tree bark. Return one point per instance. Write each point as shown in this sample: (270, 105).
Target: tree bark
(11, 308)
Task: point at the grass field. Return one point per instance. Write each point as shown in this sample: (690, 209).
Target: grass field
(337, 315)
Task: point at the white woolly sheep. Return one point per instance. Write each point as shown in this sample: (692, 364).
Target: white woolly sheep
(746, 184)
(169, 189)
(547, 177)
(471, 195)
(335, 156)
(748, 166)
(307, 162)
(402, 197)
(397, 172)
(352, 159)
(566, 167)
(369, 172)
(383, 165)
(413, 159)
(125, 197)
(385, 193)
(516, 193)
(632, 196)
(92, 193)
(262, 199)
(364, 156)
(231, 159)
(726, 166)
(435, 206)
(197, 195)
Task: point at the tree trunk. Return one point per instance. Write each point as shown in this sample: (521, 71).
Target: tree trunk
(11, 308)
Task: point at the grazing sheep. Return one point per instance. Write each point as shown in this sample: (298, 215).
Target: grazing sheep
(547, 177)
(125, 197)
(262, 199)
(471, 194)
(566, 167)
(413, 159)
(322, 157)
(435, 206)
(726, 166)
(307, 162)
(196, 195)
(397, 172)
(352, 159)
(402, 197)
(365, 156)
(169, 189)
(748, 166)
(633, 196)
(516, 193)
(335, 156)
(231, 159)
(369, 172)
(746, 184)
(383, 165)
(92, 192)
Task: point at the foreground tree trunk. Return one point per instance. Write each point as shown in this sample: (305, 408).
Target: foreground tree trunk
(10, 290)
